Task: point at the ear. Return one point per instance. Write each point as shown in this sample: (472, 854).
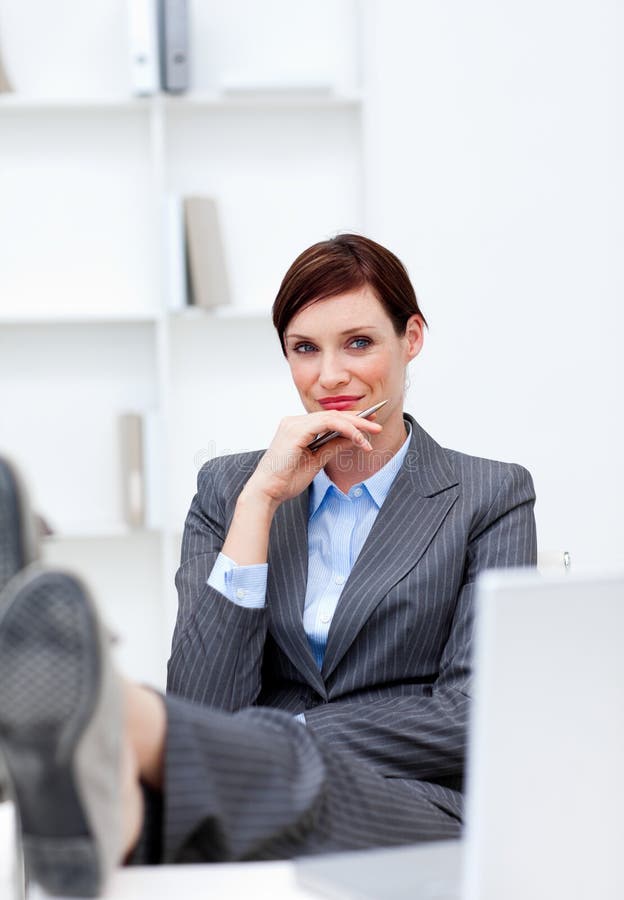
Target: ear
(414, 336)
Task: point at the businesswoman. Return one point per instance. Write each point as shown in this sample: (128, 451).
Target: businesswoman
(337, 585)
(324, 626)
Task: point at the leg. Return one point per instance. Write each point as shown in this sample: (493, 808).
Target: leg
(146, 732)
(259, 785)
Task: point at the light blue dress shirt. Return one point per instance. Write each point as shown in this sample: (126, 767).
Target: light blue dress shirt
(338, 525)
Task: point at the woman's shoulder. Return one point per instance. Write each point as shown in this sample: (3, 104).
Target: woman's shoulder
(484, 476)
(467, 464)
(467, 470)
(232, 467)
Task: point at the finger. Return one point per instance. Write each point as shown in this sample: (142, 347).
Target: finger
(348, 436)
(340, 423)
(353, 434)
(366, 424)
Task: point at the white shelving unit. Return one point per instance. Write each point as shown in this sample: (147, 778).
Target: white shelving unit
(85, 331)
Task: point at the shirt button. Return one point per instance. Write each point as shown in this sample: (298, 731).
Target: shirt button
(357, 492)
(325, 618)
(240, 593)
(339, 579)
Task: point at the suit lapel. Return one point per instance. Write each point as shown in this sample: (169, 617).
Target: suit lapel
(423, 492)
(286, 587)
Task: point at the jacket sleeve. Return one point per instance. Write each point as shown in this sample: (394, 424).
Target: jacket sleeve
(424, 736)
(217, 647)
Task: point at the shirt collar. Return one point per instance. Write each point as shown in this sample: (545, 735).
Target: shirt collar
(377, 486)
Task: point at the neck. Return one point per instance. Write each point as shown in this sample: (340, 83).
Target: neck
(350, 467)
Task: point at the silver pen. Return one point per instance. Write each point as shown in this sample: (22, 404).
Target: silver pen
(322, 439)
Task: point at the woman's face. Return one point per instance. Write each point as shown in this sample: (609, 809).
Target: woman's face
(344, 354)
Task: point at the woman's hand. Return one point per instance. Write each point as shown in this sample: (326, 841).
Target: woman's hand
(288, 467)
(285, 470)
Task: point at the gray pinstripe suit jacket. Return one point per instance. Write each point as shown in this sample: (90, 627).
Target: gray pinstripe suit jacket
(395, 684)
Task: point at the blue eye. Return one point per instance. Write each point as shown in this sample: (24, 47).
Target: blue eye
(360, 343)
(304, 347)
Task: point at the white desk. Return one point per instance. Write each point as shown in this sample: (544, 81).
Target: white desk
(240, 881)
(257, 881)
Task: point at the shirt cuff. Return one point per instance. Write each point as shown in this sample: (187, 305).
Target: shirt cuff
(242, 585)
(300, 717)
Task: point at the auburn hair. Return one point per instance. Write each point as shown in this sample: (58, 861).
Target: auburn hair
(346, 262)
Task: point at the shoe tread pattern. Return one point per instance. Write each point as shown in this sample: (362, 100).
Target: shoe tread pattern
(48, 686)
(41, 662)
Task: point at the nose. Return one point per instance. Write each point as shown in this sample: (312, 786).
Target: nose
(332, 372)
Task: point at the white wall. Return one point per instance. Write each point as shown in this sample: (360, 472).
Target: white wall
(494, 169)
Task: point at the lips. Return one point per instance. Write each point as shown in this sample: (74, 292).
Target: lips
(341, 402)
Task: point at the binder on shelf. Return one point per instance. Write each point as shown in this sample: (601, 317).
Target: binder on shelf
(143, 41)
(175, 253)
(132, 481)
(153, 462)
(5, 84)
(207, 272)
(173, 45)
(141, 442)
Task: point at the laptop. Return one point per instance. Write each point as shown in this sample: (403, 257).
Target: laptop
(545, 779)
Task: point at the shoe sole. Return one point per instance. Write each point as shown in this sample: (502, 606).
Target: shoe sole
(51, 663)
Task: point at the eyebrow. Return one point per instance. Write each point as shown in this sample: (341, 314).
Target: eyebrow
(358, 328)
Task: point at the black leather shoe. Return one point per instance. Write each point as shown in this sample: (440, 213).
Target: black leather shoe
(60, 731)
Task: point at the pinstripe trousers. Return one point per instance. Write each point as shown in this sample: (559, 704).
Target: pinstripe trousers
(263, 786)
(380, 760)
(258, 785)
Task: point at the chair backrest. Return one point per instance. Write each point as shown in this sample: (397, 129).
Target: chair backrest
(558, 560)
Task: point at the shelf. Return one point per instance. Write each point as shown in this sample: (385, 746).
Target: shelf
(78, 319)
(220, 313)
(99, 532)
(242, 312)
(18, 103)
(276, 98)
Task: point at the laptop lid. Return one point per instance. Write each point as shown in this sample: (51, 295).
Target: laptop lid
(545, 804)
